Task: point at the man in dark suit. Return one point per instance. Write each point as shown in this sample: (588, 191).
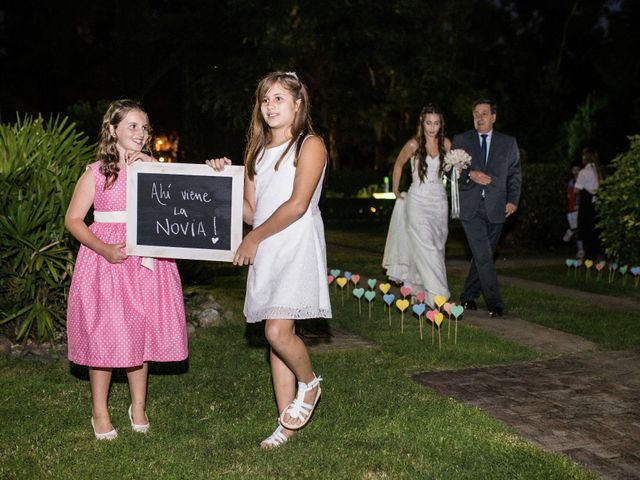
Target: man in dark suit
(489, 193)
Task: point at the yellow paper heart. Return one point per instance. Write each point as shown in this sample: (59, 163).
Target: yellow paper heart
(384, 287)
(341, 282)
(402, 304)
(588, 263)
(439, 300)
(438, 317)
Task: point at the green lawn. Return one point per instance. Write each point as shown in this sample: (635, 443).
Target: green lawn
(557, 275)
(208, 417)
(372, 422)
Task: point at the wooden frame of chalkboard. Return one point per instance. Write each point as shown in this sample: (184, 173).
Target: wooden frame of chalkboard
(183, 210)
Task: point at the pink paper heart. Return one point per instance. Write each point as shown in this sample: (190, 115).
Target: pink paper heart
(420, 296)
(405, 291)
(330, 279)
(355, 278)
(447, 308)
(431, 314)
(599, 266)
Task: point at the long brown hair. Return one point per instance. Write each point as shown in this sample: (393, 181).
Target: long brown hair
(107, 153)
(259, 133)
(421, 153)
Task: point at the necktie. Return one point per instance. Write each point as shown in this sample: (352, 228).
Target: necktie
(483, 147)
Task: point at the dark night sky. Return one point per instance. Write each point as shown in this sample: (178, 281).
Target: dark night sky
(543, 63)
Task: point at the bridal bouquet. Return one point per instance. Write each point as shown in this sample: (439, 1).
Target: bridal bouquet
(456, 161)
(457, 158)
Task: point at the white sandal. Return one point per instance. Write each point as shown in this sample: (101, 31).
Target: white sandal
(276, 439)
(298, 409)
(137, 427)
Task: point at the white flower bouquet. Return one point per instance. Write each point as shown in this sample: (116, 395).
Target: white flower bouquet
(455, 161)
(457, 158)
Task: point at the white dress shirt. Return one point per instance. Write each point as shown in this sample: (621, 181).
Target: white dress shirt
(588, 179)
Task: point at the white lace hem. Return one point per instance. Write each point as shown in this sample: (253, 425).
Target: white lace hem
(292, 313)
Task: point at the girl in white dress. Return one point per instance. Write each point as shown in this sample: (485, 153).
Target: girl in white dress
(414, 251)
(284, 166)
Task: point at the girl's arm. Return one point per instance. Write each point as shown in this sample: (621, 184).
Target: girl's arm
(74, 221)
(405, 154)
(311, 164)
(249, 203)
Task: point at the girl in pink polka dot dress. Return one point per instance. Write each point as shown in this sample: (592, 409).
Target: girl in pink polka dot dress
(121, 313)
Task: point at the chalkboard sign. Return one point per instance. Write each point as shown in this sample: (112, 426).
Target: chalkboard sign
(180, 210)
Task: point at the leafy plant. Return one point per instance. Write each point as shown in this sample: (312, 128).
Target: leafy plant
(618, 206)
(40, 161)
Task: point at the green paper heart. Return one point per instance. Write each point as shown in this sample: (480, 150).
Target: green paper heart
(335, 272)
(372, 282)
(358, 292)
(623, 269)
(370, 295)
(457, 310)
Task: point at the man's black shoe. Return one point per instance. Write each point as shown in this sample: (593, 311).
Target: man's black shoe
(495, 312)
(469, 305)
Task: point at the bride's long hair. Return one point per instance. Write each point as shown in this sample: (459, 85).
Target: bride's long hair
(421, 138)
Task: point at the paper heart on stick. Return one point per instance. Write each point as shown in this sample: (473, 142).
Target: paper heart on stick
(438, 317)
(575, 263)
(335, 272)
(384, 287)
(588, 263)
(389, 298)
(439, 300)
(447, 308)
(369, 295)
(347, 275)
(419, 308)
(355, 278)
(405, 291)
(635, 271)
(457, 310)
(330, 279)
(623, 269)
(371, 282)
(358, 292)
(402, 304)
(613, 266)
(421, 296)
(569, 262)
(431, 314)
(341, 281)
(599, 266)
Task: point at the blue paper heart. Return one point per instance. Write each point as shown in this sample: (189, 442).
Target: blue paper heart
(347, 275)
(389, 298)
(635, 271)
(419, 308)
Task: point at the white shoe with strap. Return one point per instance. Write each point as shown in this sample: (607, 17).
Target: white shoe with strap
(299, 409)
(276, 439)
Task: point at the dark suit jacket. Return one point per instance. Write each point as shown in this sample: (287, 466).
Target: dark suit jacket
(503, 166)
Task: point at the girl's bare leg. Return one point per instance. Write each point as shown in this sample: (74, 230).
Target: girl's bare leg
(137, 377)
(292, 362)
(100, 380)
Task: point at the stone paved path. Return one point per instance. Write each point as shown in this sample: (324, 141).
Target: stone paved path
(584, 405)
(540, 338)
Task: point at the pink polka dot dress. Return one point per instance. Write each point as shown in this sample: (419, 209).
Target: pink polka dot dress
(121, 315)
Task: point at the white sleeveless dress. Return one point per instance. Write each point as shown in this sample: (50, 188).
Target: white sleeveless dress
(288, 278)
(414, 251)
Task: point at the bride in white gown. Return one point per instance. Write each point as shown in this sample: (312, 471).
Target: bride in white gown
(414, 251)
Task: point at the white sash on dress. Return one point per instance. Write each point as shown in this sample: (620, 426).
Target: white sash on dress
(119, 217)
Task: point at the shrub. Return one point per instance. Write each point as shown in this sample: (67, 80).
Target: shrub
(618, 206)
(540, 220)
(40, 163)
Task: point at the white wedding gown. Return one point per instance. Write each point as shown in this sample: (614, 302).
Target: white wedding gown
(414, 251)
